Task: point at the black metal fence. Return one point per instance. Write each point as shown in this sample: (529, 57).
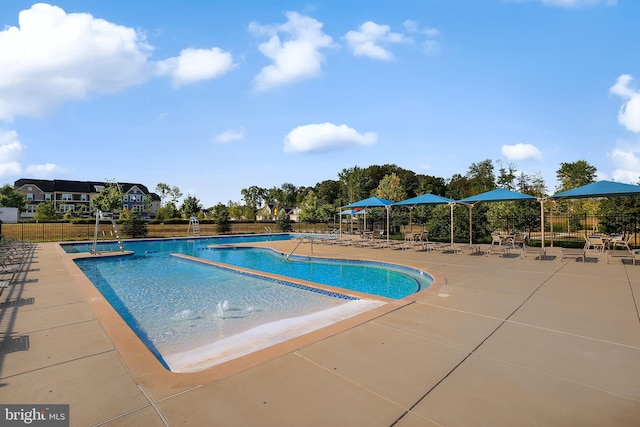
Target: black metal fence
(564, 230)
(65, 232)
(570, 230)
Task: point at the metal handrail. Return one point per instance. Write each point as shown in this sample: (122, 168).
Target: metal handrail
(296, 247)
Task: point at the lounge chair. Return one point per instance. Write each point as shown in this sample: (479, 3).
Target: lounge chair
(631, 254)
(493, 249)
(619, 248)
(565, 253)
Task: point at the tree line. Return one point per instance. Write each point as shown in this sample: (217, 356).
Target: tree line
(321, 202)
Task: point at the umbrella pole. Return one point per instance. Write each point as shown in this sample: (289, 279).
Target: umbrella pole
(410, 224)
(452, 205)
(551, 221)
(541, 200)
(388, 213)
(471, 224)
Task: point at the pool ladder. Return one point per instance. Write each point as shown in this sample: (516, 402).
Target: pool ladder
(296, 247)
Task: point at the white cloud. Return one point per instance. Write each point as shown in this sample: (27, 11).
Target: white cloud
(44, 171)
(10, 153)
(626, 165)
(230, 135)
(629, 114)
(370, 38)
(53, 57)
(430, 45)
(194, 65)
(296, 56)
(414, 28)
(11, 150)
(325, 137)
(521, 152)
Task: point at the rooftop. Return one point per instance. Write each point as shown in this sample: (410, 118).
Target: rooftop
(496, 341)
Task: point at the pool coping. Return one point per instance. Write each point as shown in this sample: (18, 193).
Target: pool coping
(146, 369)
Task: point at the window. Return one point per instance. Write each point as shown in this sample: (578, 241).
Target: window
(29, 196)
(47, 197)
(137, 208)
(68, 208)
(31, 209)
(67, 197)
(83, 197)
(125, 198)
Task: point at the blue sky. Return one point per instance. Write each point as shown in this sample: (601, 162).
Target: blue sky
(216, 96)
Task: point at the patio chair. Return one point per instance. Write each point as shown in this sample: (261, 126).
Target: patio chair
(617, 241)
(594, 243)
(496, 239)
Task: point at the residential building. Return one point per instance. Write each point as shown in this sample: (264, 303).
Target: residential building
(270, 212)
(76, 196)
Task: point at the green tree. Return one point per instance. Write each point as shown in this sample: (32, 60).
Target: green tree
(289, 195)
(575, 174)
(431, 184)
(253, 198)
(190, 206)
(134, 226)
(12, 198)
(275, 196)
(283, 222)
(46, 211)
(328, 192)
(166, 191)
(326, 213)
(167, 211)
(217, 210)
(354, 184)
(109, 199)
(506, 176)
(390, 188)
(235, 210)
(223, 224)
(309, 208)
(481, 178)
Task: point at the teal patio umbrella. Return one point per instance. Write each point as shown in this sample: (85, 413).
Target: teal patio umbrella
(598, 189)
(428, 199)
(373, 202)
(497, 195)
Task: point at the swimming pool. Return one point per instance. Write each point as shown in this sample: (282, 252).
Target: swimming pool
(193, 315)
(376, 278)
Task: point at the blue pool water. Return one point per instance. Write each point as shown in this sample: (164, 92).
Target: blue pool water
(177, 302)
(380, 279)
(190, 313)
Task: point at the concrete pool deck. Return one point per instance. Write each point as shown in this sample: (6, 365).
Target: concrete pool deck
(501, 341)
